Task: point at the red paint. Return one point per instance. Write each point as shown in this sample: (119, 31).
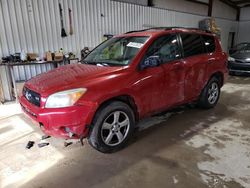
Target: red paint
(152, 89)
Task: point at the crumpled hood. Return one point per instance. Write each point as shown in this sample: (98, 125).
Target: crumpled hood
(68, 77)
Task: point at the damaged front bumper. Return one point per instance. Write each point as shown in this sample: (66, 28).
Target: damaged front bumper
(68, 122)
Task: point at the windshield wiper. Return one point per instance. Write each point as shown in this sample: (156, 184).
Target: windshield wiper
(95, 63)
(104, 63)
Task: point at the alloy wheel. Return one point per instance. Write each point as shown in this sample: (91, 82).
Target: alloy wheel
(115, 128)
(213, 93)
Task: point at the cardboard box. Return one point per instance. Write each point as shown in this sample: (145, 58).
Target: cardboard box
(19, 87)
(58, 56)
(32, 56)
(49, 56)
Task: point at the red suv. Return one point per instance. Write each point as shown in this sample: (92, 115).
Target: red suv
(124, 79)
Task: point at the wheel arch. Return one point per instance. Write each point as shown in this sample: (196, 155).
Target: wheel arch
(127, 99)
(219, 76)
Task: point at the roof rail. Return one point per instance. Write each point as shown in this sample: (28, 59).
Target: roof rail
(194, 28)
(169, 28)
(137, 31)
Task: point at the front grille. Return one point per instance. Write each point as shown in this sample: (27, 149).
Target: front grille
(238, 61)
(28, 111)
(32, 96)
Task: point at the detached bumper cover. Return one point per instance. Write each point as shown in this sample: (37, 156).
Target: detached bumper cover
(54, 121)
(239, 67)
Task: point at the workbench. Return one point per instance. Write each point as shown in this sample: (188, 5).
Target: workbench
(23, 71)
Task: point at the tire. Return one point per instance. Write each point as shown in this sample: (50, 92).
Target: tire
(210, 94)
(231, 73)
(112, 127)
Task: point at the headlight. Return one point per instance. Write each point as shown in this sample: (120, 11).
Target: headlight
(64, 98)
(230, 59)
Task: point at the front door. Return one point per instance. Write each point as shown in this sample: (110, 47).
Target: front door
(174, 69)
(169, 89)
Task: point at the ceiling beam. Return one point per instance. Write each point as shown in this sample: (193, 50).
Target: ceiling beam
(238, 14)
(247, 5)
(198, 2)
(150, 3)
(241, 2)
(230, 3)
(210, 8)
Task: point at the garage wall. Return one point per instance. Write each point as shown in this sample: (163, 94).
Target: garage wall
(244, 25)
(138, 2)
(182, 5)
(222, 10)
(245, 14)
(34, 25)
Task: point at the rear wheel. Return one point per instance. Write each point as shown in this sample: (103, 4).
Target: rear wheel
(210, 94)
(113, 125)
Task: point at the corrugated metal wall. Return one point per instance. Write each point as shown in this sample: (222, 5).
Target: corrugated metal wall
(244, 25)
(34, 25)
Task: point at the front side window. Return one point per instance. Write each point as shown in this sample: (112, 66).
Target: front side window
(166, 47)
(192, 44)
(116, 51)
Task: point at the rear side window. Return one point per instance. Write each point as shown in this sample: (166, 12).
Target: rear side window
(209, 43)
(192, 44)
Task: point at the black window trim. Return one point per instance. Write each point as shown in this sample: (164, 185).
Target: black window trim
(164, 35)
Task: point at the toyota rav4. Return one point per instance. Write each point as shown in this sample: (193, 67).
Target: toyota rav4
(125, 79)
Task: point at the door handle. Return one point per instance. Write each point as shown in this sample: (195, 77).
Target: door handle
(178, 66)
(211, 60)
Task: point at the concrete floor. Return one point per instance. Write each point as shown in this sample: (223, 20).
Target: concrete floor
(187, 148)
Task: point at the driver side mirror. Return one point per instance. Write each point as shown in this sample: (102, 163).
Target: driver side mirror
(151, 61)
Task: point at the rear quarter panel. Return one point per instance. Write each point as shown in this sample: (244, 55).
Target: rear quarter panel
(218, 62)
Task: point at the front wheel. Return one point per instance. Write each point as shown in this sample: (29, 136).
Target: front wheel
(113, 125)
(210, 94)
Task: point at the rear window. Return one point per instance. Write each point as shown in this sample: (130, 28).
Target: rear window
(192, 44)
(209, 43)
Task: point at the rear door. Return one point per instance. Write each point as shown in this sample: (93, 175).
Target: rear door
(215, 57)
(195, 60)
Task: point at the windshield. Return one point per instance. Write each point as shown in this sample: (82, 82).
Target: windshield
(116, 51)
(245, 49)
(241, 45)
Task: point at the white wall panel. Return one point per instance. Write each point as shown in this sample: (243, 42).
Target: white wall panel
(244, 30)
(244, 25)
(34, 25)
(226, 26)
(222, 10)
(139, 2)
(245, 14)
(182, 5)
